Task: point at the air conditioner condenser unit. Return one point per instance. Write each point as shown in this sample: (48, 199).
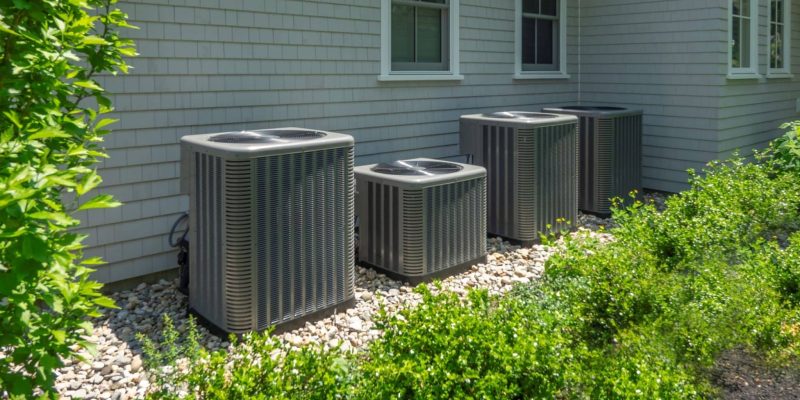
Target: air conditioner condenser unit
(610, 156)
(532, 172)
(271, 228)
(422, 218)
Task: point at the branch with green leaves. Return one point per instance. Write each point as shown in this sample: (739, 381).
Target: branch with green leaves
(50, 144)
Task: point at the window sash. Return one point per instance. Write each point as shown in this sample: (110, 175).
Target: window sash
(778, 36)
(444, 33)
(742, 35)
(555, 46)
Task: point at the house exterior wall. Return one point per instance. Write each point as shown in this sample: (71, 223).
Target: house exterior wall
(751, 110)
(213, 65)
(670, 58)
(667, 58)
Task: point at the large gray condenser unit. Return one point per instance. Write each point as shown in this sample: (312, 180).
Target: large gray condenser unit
(532, 170)
(421, 218)
(610, 154)
(271, 226)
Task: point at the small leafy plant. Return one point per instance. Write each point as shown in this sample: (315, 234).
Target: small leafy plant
(50, 53)
(258, 366)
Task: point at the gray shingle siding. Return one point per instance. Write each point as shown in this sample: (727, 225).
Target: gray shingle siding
(751, 110)
(209, 66)
(669, 59)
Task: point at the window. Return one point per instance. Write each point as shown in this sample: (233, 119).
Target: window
(541, 36)
(779, 34)
(744, 37)
(419, 40)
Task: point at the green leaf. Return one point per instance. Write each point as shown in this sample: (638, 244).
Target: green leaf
(89, 182)
(5, 28)
(13, 117)
(59, 179)
(88, 85)
(93, 261)
(92, 40)
(60, 335)
(57, 217)
(104, 301)
(105, 122)
(22, 4)
(49, 132)
(101, 201)
(34, 247)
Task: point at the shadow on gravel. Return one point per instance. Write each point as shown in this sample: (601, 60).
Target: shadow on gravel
(740, 375)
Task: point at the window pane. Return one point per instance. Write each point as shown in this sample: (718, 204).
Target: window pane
(737, 7)
(779, 6)
(402, 33)
(777, 47)
(735, 38)
(773, 12)
(544, 42)
(528, 41)
(435, 1)
(549, 7)
(429, 35)
(530, 6)
(744, 57)
(745, 10)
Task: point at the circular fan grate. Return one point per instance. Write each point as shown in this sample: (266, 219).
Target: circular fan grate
(271, 136)
(418, 168)
(501, 114)
(519, 115)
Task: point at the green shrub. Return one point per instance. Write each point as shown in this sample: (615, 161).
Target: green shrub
(483, 348)
(50, 52)
(783, 153)
(257, 367)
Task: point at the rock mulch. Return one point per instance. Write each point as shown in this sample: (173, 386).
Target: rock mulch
(116, 371)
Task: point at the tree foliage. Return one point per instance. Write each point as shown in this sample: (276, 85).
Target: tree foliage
(51, 126)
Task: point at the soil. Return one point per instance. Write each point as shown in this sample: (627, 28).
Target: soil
(741, 375)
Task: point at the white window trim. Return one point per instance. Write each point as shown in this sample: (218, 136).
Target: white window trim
(519, 74)
(386, 50)
(750, 72)
(786, 71)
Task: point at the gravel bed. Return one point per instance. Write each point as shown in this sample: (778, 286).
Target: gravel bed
(116, 371)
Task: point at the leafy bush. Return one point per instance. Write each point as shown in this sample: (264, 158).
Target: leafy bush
(258, 367)
(784, 153)
(484, 348)
(49, 53)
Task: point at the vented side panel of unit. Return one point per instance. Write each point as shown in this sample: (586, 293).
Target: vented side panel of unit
(531, 176)
(596, 156)
(628, 156)
(413, 240)
(207, 253)
(455, 227)
(304, 233)
(610, 160)
(380, 228)
(498, 154)
(238, 276)
(548, 186)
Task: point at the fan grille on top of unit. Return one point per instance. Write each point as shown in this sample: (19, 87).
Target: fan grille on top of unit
(418, 168)
(519, 115)
(592, 108)
(272, 136)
